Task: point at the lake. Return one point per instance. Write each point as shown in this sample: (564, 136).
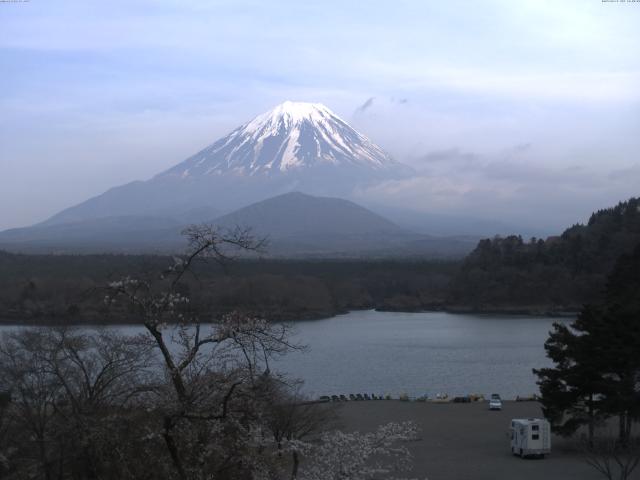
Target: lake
(420, 353)
(415, 353)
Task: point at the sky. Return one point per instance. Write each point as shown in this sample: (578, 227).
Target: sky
(524, 111)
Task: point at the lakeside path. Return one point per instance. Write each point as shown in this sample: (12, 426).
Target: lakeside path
(467, 441)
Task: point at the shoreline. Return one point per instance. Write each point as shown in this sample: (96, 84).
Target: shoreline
(529, 311)
(461, 310)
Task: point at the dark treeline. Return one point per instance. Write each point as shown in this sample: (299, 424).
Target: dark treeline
(559, 273)
(597, 367)
(66, 288)
(502, 274)
(595, 375)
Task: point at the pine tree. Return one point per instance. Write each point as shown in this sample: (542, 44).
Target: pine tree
(571, 391)
(597, 359)
(621, 342)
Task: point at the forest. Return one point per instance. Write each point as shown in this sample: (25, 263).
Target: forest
(503, 274)
(68, 289)
(557, 274)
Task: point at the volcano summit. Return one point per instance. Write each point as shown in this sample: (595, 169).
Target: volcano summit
(294, 147)
(290, 138)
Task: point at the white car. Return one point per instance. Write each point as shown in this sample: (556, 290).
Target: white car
(495, 403)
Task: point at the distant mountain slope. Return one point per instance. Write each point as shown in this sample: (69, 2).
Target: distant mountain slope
(294, 147)
(560, 272)
(109, 234)
(300, 225)
(298, 214)
(297, 225)
(451, 225)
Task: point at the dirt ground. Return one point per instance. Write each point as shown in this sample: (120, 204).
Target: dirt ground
(468, 442)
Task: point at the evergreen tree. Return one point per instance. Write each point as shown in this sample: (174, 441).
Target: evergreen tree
(597, 359)
(621, 342)
(571, 391)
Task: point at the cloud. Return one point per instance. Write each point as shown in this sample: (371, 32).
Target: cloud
(116, 91)
(631, 173)
(522, 147)
(594, 86)
(509, 185)
(365, 106)
(452, 155)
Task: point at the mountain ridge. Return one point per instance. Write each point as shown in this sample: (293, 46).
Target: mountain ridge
(298, 225)
(296, 213)
(291, 136)
(294, 147)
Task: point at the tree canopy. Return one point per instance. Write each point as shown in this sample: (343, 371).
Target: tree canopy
(558, 273)
(597, 359)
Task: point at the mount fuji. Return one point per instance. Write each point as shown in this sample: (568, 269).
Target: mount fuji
(294, 147)
(280, 173)
(291, 138)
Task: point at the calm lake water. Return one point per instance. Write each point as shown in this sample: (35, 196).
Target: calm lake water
(416, 353)
(420, 353)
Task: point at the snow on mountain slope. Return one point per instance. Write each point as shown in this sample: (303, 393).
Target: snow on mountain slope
(294, 147)
(291, 137)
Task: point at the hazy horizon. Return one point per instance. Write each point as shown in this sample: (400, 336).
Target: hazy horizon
(526, 113)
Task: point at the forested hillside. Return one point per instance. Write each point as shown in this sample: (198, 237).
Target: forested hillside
(559, 273)
(501, 274)
(67, 288)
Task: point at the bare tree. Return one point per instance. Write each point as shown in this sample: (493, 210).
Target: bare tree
(65, 388)
(291, 416)
(613, 459)
(5, 449)
(192, 398)
(214, 367)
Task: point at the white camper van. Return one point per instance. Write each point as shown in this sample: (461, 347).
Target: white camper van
(530, 437)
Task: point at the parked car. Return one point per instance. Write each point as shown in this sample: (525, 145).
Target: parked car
(495, 402)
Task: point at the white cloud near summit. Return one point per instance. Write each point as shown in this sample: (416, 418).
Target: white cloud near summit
(509, 186)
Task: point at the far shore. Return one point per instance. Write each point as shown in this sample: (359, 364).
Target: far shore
(53, 321)
(531, 311)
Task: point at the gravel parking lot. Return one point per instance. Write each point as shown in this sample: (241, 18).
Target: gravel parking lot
(467, 441)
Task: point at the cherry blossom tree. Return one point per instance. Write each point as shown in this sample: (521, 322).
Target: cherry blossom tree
(358, 456)
(194, 397)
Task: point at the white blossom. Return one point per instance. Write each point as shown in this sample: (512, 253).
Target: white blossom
(356, 456)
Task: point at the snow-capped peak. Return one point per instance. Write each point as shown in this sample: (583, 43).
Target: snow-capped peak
(292, 113)
(289, 138)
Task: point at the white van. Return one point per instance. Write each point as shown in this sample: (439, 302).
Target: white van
(495, 402)
(530, 437)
